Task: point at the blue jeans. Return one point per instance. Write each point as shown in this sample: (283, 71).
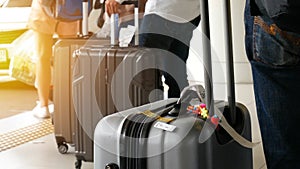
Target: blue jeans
(157, 32)
(275, 59)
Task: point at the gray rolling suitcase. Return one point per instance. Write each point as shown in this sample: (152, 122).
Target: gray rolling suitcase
(63, 62)
(170, 135)
(164, 135)
(63, 110)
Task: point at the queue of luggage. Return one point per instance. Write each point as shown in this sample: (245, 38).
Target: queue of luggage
(107, 107)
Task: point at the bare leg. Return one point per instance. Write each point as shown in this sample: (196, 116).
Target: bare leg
(43, 44)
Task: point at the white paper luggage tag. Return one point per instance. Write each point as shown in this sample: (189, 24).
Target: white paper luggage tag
(126, 34)
(164, 126)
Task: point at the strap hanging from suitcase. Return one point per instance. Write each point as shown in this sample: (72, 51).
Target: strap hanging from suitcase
(219, 119)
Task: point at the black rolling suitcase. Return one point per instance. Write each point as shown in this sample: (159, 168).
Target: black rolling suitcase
(108, 79)
(174, 134)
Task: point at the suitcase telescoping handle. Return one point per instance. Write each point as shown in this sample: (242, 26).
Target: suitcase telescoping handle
(208, 79)
(230, 74)
(229, 59)
(85, 14)
(114, 24)
(229, 62)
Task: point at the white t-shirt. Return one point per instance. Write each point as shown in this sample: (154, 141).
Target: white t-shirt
(173, 10)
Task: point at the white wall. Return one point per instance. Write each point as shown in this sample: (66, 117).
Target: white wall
(242, 67)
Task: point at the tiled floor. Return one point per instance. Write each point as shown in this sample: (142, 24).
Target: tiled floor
(27, 142)
(40, 153)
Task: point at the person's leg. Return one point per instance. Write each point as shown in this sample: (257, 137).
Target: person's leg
(276, 69)
(157, 32)
(43, 44)
(180, 46)
(154, 33)
(172, 71)
(277, 92)
(177, 80)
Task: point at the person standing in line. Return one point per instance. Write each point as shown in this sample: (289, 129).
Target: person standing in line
(274, 55)
(168, 25)
(44, 27)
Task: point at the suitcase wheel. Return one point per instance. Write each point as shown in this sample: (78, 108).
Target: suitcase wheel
(78, 164)
(112, 166)
(63, 148)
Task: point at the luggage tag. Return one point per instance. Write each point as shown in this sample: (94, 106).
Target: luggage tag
(114, 20)
(164, 126)
(125, 36)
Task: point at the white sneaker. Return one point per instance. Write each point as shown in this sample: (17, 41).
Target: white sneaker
(41, 112)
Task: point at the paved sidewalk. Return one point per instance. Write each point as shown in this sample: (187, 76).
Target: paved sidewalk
(15, 97)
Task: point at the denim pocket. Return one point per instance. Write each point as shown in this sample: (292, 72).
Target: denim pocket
(273, 46)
